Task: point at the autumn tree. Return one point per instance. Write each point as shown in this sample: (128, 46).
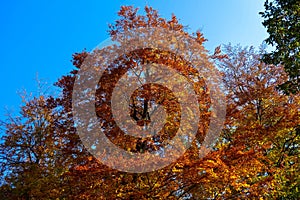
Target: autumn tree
(258, 151)
(31, 158)
(94, 180)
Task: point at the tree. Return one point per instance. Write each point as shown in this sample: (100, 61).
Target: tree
(31, 159)
(282, 22)
(108, 183)
(261, 127)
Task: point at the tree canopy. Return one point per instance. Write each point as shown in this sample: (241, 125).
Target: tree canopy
(281, 18)
(256, 155)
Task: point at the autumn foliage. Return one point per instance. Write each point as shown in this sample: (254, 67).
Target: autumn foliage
(255, 157)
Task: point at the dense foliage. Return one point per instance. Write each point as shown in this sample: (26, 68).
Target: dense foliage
(282, 20)
(256, 156)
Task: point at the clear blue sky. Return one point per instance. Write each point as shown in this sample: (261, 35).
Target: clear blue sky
(39, 36)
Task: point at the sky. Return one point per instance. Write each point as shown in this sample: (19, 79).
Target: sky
(38, 37)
